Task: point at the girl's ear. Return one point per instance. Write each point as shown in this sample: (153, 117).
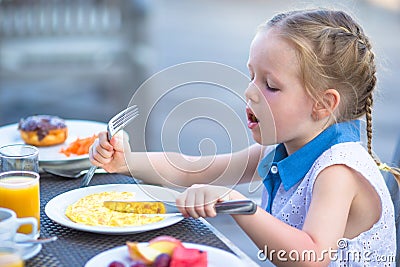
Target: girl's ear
(327, 104)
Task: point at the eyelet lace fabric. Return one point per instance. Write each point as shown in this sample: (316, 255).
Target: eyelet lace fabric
(374, 247)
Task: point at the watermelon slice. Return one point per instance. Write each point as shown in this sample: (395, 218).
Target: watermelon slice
(185, 257)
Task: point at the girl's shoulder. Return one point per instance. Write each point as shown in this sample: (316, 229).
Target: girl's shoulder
(380, 237)
(351, 154)
(354, 156)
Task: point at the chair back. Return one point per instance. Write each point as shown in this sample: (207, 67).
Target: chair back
(394, 190)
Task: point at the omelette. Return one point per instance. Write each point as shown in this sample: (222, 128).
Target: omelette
(89, 210)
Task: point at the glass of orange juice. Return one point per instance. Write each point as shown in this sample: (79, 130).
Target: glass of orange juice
(19, 191)
(10, 256)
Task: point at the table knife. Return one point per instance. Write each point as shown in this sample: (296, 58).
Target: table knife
(159, 207)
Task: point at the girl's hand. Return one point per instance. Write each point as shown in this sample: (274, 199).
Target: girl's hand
(108, 155)
(199, 199)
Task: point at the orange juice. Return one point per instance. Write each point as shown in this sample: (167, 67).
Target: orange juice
(21, 194)
(8, 259)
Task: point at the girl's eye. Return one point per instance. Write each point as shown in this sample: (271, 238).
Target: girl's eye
(269, 88)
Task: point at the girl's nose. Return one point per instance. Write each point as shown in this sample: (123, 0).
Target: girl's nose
(251, 92)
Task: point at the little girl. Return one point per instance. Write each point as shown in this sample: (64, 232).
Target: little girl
(325, 201)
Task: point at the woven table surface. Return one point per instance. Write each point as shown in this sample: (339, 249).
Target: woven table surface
(75, 248)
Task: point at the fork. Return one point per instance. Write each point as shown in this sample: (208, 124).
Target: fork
(66, 173)
(116, 123)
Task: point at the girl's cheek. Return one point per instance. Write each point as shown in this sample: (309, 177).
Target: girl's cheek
(267, 126)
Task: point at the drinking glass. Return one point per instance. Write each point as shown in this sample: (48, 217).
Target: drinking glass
(19, 191)
(19, 157)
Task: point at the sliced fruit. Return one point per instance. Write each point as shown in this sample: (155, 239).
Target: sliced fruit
(165, 244)
(185, 257)
(133, 250)
(165, 238)
(142, 252)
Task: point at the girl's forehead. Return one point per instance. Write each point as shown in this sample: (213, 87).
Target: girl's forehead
(270, 50)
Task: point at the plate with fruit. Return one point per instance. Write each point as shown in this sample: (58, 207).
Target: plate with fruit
(163, 251)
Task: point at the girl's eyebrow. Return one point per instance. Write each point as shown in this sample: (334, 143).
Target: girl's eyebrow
(273, 77)
(265, 72)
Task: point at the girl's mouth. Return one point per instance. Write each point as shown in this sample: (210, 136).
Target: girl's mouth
(252, 120)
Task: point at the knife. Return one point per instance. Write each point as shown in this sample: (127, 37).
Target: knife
(158, 207)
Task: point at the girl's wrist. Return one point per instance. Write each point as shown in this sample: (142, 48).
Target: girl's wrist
(234, 195)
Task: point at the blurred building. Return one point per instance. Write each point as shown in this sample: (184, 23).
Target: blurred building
(75, 59)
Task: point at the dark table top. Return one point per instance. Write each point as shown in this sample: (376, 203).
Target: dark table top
(75, 248)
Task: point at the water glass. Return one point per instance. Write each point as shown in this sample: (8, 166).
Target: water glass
(19, 157)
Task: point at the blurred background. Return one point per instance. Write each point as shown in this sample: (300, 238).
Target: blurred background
(86, 59)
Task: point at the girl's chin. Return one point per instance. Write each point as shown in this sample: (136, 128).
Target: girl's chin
(257, 137)
(263, 141)
(265, 138)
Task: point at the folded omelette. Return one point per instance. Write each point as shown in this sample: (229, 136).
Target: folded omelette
(89, 210)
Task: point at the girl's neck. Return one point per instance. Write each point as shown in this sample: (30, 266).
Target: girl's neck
(295, 144)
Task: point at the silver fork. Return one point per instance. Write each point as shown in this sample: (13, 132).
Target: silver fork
(116, 123)
(66, 173)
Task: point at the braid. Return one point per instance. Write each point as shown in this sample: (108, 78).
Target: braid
(392, 170)
(381, 166)
(369, 55)
(368, 114)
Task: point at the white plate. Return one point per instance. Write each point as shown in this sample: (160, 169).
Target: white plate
(215, 257)
(76, 128)
(55, 208)
(27, 250)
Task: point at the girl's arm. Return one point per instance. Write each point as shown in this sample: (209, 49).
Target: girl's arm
(334, 191)
(175, 169)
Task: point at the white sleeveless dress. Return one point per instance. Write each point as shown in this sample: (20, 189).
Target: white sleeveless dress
(376, 246)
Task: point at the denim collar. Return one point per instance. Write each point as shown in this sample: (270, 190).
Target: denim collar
(277, 167)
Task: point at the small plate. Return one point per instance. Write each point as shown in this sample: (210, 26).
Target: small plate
(216, 257)
(51, 154)
(27, 250)
(55, 208)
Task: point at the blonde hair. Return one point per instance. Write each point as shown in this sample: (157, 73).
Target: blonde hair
(334, 53)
